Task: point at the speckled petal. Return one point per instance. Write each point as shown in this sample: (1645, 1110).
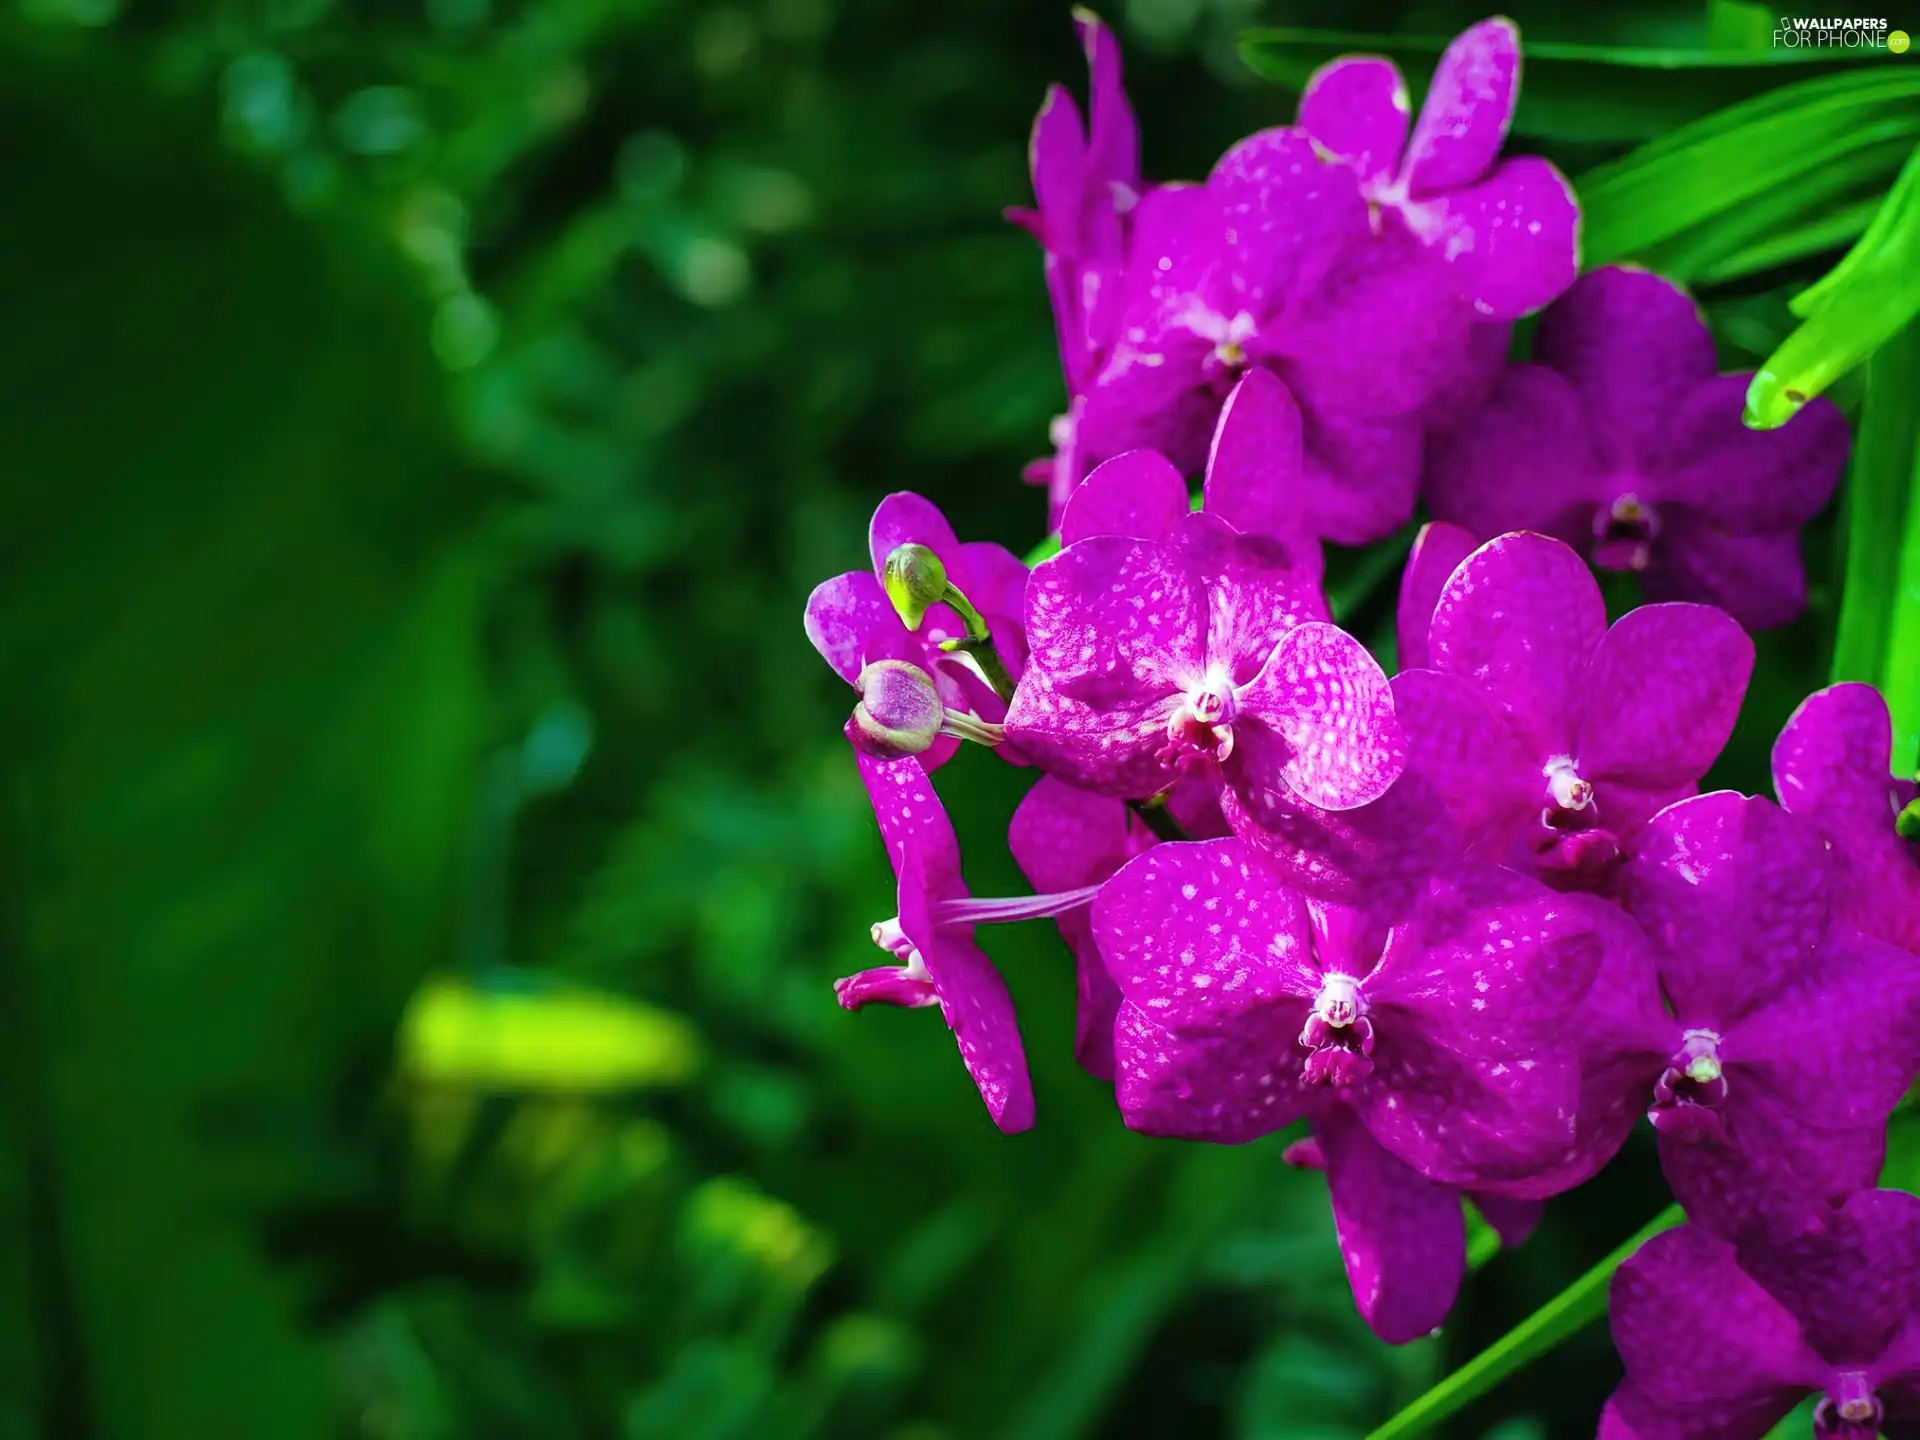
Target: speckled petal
(852, 623)
(1494, 787)
(1402, 1236)
(1833, 762)
(1511, 244)
(1851, 1276)
(1521, 618)
(1228, 1086)
(1736, 896)
(1323, 694)
(1376, 852)
(1288, 215)
(1138, 494)
(1709, 1355)
(1256, 591)
(1469, 105)
(1663, 695)
(1630, 342)
(1752, 481)
(1437, 552)
(1198, 934)
(1524, 461)
(913, 822)
(1357, 109)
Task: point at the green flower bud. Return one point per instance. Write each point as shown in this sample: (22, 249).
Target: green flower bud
(900, 713)
(1908, 824)
(916, 581)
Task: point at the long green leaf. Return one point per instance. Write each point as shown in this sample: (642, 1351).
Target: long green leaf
(1795, 243)
(1900, 670)
(1572, 91)
(1877, 293)
(1568, 1313)
(1774, 151)
(1876, 507)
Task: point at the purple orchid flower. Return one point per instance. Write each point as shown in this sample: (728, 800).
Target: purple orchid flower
(1721, 1340)
(1272, 264)
(1778, 1040)
(1507, 233)
(1065, 839)
(1443, 1021)
(1402, 1237)
(932, 938)
(1552, 737)
(1831, 766)
(852, 622)
(1622, 440)
(1438, 551)
(1085, 184)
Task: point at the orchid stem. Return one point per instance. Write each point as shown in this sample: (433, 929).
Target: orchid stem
(978, 644)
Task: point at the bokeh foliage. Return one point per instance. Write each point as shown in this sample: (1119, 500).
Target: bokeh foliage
(430, 843)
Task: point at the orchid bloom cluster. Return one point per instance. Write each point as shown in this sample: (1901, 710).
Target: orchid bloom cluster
(1469, 923)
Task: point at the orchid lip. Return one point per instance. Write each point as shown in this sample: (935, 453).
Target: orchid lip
(1692, 1091)
(1338, 1033)
(1848, 1409)
(1624, 533)
(1564, 784)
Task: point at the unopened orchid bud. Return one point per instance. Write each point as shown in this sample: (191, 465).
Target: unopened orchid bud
(916, 581)
(1908, 822)
(900, 713)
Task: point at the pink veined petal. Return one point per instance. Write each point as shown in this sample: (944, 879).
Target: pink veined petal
(1511, 243)
(1833, 761)
(1752, 481)
(1757, 579)
(913, 822)
(1138, 494)
(904, 517)
(1629, 342)
(1253, 470)
(1494, 787)
(1850, 1276)
(1169, 928)
(1111, 747)
(1468, 108)
(1330, 701)
(1402, 1237)
(1257, 590)
(1361, 475)
(852, 623)
(1227, 1086)
(1706, 1350)
(1772, 1162)
(1736, 896)
(1521, 618)
(1663, 695)
(1839, 1043)
(1622, 808)
(1381, 335)
(1437, 552)
(1090, 638)
(1113, 148)
(1376, 854)
(1525, 461)
(1512, 1220)
(1357, 109)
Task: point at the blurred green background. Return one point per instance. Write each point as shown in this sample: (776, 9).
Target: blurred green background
(427, 840)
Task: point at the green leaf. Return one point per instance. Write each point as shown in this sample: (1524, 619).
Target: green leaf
(1778, 150)
(1871, 294)
(1792, 244)
(1900, 670)
(1562, 1317)
(1045, 550)
(1573, 91)
(1878, 481)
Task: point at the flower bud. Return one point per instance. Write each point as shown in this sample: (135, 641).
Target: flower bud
(1907, 823)
(916, 581)
(900, 713)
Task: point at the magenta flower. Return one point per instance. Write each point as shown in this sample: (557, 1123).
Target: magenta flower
(1084, 187)
(1720, 1341)
(1507, 233)
(1437, 552)
(1272, 264)
(1065, 839)
(1403, 1238)
(1622, 440)
(1831, 766)
(932, 938)
(852, 623)
(1444, 1020)
(1553, 737)
(1785, 1040)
